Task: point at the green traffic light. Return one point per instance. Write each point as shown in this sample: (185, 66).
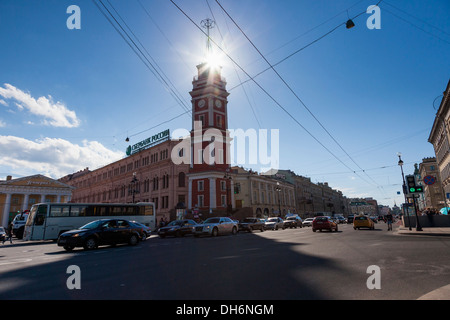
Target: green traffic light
(412, 190)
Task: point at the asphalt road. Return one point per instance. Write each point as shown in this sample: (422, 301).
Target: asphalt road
(272, 265)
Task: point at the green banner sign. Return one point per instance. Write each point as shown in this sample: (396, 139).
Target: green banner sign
(144, 144)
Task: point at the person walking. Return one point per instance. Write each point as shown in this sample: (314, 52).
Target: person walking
(389, 220)
(9, 233)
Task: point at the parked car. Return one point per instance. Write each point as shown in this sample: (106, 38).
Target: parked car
(293, 222)
(178, 228)
(307, 222)
(101, 232)
(324, 222)
(274, 223)
(216, 226)
(19, 224)
(363, 221)
(2, 234)
(146, 231)
(250, 224)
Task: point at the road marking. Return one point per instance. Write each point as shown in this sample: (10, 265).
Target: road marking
(15, 261)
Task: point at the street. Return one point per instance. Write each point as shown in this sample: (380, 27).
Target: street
(271, 265)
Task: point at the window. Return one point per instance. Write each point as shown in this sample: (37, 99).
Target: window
(202, 119)
(224, 200)
(200, 185)
(219, 121)
(201, 201)
(181, 179)
(59, 211)
(223, 185)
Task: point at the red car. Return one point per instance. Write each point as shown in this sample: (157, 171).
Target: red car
(324, 222)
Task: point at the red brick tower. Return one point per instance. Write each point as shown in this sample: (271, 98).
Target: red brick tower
(210, 185)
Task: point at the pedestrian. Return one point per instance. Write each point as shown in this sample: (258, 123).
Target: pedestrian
(9, 233)
(389, 220)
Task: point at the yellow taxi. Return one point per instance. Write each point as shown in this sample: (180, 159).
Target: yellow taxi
(363, 221)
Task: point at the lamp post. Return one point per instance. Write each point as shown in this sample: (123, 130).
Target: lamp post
(134, 181)
(278, 189)
(227, 176)
(400, 163)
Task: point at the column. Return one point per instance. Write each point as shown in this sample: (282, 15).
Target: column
(6, 210)
(26, 198)
(189, 194)
(42, 198)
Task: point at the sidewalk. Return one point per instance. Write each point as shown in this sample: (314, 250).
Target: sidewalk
(436, 231)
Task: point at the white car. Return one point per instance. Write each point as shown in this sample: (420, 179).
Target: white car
(308, 222)
(216, 226)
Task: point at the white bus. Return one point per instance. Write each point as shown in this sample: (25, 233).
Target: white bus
(46, 221)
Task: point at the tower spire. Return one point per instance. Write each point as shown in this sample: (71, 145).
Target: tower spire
(208, 24)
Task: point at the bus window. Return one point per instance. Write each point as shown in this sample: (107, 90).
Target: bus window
(148, 210)
(59, 210)
(101, 211)
(40, 219)
(77, 211)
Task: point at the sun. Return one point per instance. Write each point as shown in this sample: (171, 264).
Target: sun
(214, 60)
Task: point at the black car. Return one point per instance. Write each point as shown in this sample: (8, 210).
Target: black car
(178, 228)
(250, 224)
(101, 232)
(146, 231)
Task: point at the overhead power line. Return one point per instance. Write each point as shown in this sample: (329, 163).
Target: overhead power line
(264, 90)
(292, 91)
(141, 52)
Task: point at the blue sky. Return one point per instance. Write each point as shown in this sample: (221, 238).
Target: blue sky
(69, 98)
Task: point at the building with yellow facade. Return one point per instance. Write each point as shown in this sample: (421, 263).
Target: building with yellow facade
(17, 195)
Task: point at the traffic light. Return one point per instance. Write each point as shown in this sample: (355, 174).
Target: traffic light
(411, 186)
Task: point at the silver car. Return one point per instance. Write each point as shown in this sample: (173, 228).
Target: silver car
(216, 226)
(274, 223)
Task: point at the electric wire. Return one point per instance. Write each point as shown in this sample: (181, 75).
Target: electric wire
(265, 91)
(137, 50)
(293, 92)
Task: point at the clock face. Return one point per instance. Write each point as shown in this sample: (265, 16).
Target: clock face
(218, 103)
(201, 103)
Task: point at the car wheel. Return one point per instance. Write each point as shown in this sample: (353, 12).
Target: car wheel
(90, 244)
(133, 240)
(178, 234)
(234, 231)
(314, 230)
(249, 229)
(262, 229)
(336, 229)
(68, 248)
(214, 232)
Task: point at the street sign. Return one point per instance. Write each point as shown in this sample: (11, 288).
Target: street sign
(429, 180)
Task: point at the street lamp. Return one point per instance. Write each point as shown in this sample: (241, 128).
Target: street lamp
(400, 163)
(227, 176)
(134, 181)
(278, 189)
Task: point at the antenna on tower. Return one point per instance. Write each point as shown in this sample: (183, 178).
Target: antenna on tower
(208, 24)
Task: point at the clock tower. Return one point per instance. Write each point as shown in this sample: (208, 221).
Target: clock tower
(210, 183)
